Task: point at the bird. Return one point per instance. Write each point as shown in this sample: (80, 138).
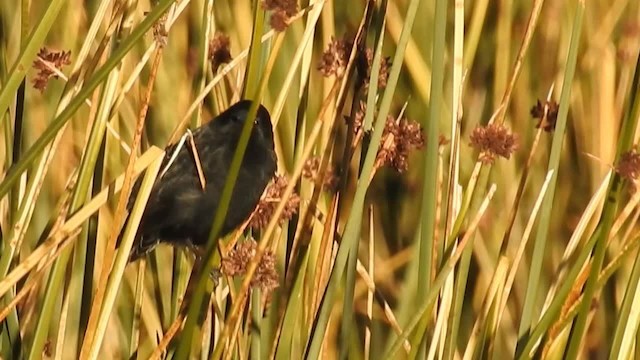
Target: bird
(179, 210)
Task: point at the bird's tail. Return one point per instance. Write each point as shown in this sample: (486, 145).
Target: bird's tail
(141, 244)
(138, 249)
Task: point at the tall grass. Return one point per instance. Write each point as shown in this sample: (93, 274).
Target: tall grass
(531, 254)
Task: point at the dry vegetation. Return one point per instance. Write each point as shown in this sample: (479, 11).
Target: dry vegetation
(479, 202)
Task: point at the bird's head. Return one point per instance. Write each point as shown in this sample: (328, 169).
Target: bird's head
(262, 130)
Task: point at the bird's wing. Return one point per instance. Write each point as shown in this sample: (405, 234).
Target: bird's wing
(177, 198)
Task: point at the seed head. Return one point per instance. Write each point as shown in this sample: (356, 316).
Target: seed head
(237, 260)
(311, 171)
(160, 34)
(399, 138)
(269, 202)
(365, 64)
(281, 12)
(629, 165)
(547, 123)
(219, 51)
(44, 63)
(493, 140)
(334, 60)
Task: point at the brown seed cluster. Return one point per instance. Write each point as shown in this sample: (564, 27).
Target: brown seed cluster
(399, 138)
(269, 202)
(358, 120)
(547, 123)
(335, 58)
(219, 51)
(237, 260)
(365, 64)
(311, 171)
(160, 34)
(281, 12)
(629, 165)
(44, 63)
(493, 140)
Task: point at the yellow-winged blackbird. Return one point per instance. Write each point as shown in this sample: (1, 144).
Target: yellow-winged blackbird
(179, 211)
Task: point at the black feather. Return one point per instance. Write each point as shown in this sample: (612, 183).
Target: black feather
(179, 211)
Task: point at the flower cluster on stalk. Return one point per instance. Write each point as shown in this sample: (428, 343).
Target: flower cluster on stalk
(46, 61)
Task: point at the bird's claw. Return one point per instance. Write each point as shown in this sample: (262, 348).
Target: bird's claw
(215, 275)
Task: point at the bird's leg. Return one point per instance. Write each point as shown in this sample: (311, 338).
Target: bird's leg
(215, 275)
(199, 253)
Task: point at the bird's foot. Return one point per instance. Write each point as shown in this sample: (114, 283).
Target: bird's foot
(215, 275)
(199, 253)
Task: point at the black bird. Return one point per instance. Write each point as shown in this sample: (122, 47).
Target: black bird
(179, 211)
